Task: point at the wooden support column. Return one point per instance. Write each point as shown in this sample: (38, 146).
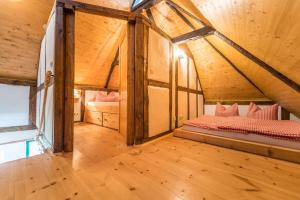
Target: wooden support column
(69, 79)
(139, 80)
(82, 105)
(285, 115)
(146, 96)
(131, 83)
(32, 105)
(176, 91)
(170, 85)
(59, 83)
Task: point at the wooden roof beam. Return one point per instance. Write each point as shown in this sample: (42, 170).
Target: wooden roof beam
(146, 4)
(98, 10)
(150, 16)
(196, 34)
(112, 67)
(14, 81)
(93, 88)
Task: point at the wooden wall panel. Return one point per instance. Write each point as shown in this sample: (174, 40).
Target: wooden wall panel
(158, 57)
(114, 82)
(192, 75)
(182, 107)
(158, 110)
(200, 105)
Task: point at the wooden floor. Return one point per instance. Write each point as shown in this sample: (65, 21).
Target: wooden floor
(102, 167)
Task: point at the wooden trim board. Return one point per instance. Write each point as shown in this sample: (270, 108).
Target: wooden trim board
(14, 81)
(17, 128)
(281, 153)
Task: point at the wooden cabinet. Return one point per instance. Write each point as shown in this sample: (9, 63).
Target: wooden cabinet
(111, 120)
(93, 117)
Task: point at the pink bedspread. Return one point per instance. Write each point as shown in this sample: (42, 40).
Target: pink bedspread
(275, 128)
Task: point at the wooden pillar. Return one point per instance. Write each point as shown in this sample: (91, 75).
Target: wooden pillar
(59, 82)
(32, 105)
(285, 115)
(69, 79)
(170, 85)
(176, 91)
(82, 105)
(139, 80)
(131, 83)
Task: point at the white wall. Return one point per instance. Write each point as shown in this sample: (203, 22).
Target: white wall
(293, 117)
(14, 105)
(243, 109)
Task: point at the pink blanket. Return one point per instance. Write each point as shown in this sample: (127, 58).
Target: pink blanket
(275, 128)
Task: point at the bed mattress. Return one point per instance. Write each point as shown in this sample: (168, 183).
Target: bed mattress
(107, 107)
(250, 137)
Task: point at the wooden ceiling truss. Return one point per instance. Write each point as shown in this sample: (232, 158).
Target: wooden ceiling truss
(112, 67)
(192, 35)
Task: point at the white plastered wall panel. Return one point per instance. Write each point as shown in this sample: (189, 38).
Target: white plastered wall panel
(50, 48)
(14, 105)
(158, 57)
(193, 105)
(182, 71)
(294, 118)
(192, 75)
(158, 110)
(182, 107)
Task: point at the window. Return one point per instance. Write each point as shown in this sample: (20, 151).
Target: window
(136, 3)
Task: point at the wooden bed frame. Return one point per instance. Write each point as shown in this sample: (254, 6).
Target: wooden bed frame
(276, 152)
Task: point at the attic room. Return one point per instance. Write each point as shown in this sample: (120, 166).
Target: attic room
(149, 99)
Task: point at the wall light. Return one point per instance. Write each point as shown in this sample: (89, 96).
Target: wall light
(180, 53)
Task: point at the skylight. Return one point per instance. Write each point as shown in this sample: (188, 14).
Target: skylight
(136, 3)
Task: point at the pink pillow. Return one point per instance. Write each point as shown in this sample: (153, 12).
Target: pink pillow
(268, 113)
(100, 96)
(227, 112)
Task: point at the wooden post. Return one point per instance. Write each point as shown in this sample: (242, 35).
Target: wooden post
(131, 83)
(170, 85)
(59, 83)
(32, 105)
(139, 80)
(285, 115)
(69, 79)
(82, 105)
(146, 96)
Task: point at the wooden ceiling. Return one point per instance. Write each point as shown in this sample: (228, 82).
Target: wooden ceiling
(97, 40)
(21, 32)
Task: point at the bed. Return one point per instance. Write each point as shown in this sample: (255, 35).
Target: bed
(273, 138)
(105, 114)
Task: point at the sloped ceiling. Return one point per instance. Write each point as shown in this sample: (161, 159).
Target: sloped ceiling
(21, 31)
(97, 39)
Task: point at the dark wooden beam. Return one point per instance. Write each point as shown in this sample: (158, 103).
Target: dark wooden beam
(179, 14)
(82, 105)
(285, 115)
(98, 10)
(188, 90)
(179, 8)
(15, 81)
(199, 33)
(17, 128)
(59, 82)
(146, 4)
(158, 83)
(32, 105)
(234, 66)
(112, 67)
(150, 15)
(259, 62)
(69, 80)
(93, 88)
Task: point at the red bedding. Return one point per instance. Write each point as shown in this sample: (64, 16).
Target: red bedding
(275, 128)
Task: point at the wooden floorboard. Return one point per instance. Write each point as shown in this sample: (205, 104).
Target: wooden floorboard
(103, 167)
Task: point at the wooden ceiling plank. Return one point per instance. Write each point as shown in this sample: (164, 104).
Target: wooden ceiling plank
(196, 34)
(99, 10)
(15, 81)
(113, 64)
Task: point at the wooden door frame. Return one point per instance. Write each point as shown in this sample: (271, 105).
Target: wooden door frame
(65, 67)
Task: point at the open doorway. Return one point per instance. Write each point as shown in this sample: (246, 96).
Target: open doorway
(100, 85)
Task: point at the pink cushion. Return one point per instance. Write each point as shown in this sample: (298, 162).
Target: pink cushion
(100, 96)
(227, 112)
(269, 113)
(111, 97)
